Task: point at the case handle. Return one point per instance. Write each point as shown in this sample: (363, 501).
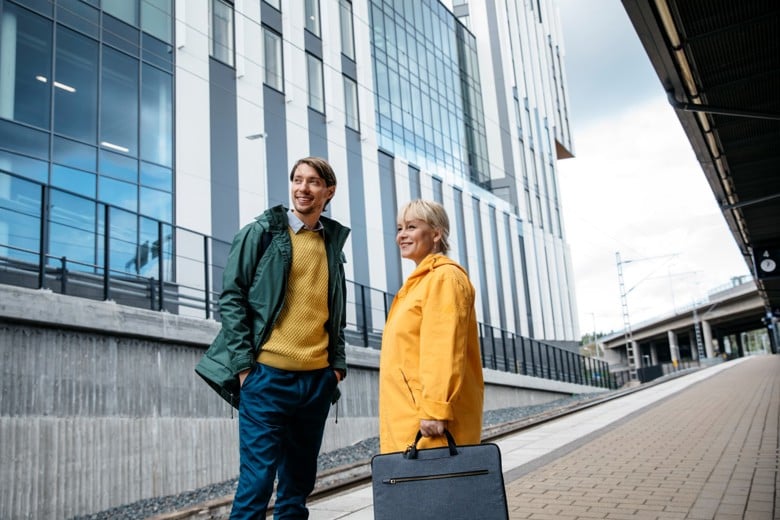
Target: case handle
(411, 451)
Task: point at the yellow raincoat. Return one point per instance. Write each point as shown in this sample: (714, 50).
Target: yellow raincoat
(430, 365)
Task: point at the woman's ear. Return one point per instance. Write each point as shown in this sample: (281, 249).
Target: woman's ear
(437, 238)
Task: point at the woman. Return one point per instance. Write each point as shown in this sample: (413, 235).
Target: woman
(430, 370)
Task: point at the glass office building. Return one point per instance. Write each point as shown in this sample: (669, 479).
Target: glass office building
(124, 122)
(86, 108)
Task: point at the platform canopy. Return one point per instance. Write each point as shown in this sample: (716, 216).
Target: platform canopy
(719, 62)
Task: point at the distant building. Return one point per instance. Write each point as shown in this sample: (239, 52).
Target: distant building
(187, 116)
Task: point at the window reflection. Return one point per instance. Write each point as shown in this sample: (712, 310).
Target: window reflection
(272, 54)
(221, 27)
(156, 19)
(117, 193)
(118, 166)
(122, 9)
(24, 166)
(347, 30)
(119, 104)
(27, 43)
(157, 203)
(75, 86)
(72, 231)
(156, 176)
(24, 140)
(73, 180)
(20, 211)
(123, 234)
(312, 14)
(351, 104)
(75, 154)
(156, 116)
(316, 91)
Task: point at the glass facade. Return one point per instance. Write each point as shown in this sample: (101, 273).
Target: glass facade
(428, 96)
(86, 121)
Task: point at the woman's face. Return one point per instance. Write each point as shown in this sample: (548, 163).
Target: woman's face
(416, 239)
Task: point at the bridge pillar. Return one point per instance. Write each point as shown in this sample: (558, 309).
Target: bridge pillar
(706, 329)
(674, 348)
(653, 353)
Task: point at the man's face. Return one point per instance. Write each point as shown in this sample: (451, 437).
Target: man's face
(308, 190)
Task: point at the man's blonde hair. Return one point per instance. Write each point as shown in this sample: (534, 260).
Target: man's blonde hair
(433, 214)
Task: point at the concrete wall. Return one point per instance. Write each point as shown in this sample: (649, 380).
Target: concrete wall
(100, 405)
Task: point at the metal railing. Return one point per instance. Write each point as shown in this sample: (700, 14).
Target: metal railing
(159, 266)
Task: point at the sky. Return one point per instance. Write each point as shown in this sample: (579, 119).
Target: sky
(634, 186)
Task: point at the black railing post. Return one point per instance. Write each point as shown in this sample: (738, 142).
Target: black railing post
(152, 292)
(106, 252)
(206, 284)
(64, 275)
(549, 365)
(503, 349)
(533, 360)
(522, 352)
(493, 348)
(43, 246)
(160, 266)
(514, 354)
(364, 313)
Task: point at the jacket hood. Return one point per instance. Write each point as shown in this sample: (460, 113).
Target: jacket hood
(434, 261)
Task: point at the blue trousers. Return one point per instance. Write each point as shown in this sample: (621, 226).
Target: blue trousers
(281, 419)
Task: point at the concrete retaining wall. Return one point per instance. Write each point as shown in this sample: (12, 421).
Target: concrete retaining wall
(100, 405)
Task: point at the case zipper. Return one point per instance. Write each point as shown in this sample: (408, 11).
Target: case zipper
(401, 480)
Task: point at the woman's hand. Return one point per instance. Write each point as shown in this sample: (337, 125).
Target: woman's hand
(432, 428)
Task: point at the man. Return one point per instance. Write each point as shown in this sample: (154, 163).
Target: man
(280, 353)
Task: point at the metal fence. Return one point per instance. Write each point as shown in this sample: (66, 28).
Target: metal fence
(142, 262)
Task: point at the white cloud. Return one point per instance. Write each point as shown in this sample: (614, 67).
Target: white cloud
(636, 187)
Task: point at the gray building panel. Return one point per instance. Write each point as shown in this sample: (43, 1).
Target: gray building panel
(277, 165)
(389, 209)
(224, 150)
(357, 207)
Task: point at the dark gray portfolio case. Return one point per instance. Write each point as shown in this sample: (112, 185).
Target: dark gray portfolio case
(450, 483)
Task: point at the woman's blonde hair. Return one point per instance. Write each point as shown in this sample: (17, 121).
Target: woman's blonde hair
(433, 214)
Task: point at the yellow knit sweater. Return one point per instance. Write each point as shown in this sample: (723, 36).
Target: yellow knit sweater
(299, 340)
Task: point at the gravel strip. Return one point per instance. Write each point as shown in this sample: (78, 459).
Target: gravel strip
(360, 451)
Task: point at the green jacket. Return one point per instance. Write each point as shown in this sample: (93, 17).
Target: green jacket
(253, 293)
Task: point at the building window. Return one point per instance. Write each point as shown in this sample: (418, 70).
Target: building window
(351, 117)
(316, 89)
(122, 9)
(272, 53)
(119, 103)
(347, 31)
(27, 51)
(312, 9)
(76, 83)
(276, 4)
(221, 31)
(156, 116)
(156, 19)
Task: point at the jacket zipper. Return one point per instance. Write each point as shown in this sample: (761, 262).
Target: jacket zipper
(401, 480)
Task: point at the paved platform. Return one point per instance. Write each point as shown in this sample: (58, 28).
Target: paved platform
(701, 446)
